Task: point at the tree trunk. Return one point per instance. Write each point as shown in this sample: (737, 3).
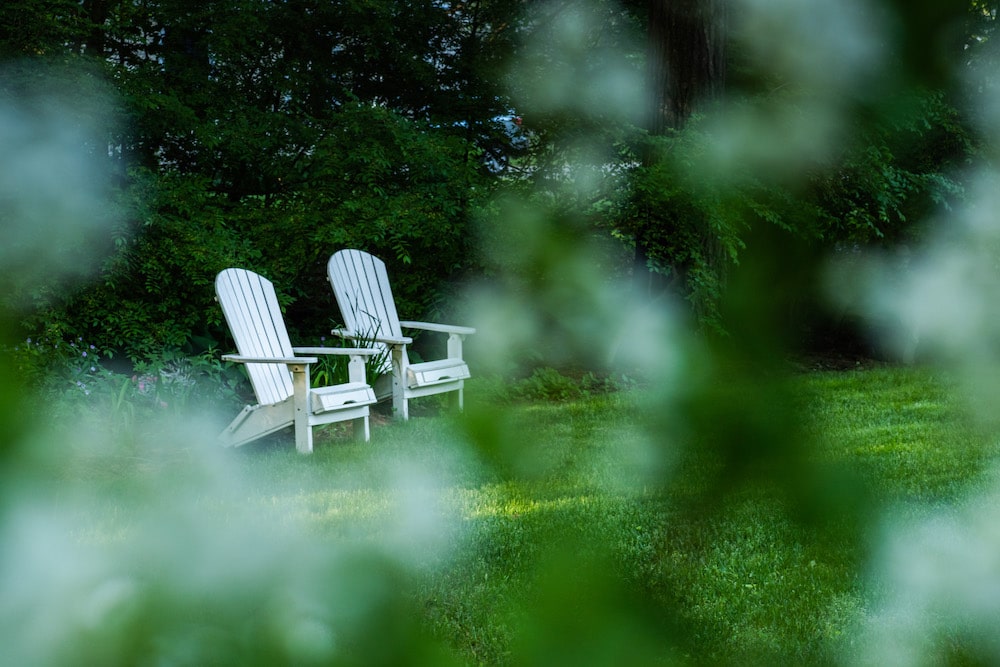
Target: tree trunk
(686, 58)
(686, 68)
(96, 13)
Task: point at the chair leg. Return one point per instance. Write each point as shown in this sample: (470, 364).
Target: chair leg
(400, 408)
(456, 400)
(362, 431)
(303, 431)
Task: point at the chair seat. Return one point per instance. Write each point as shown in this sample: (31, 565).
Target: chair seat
(435, 372)
(351, 394)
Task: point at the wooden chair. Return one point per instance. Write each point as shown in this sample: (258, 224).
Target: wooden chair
(280, 379)
(361, 285)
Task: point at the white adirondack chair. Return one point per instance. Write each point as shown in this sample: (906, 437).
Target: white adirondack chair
(280, 379)
(361, 285)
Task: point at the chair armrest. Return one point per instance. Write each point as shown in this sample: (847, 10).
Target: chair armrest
(361, 351)
(444, 328)
(269, 360)
(388, 340)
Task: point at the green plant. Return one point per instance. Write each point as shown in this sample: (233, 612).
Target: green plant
(59, 363)
(329, 369)
(182, 379)
(548, 384)
(376, 365)
(122, 409)
(75, 380)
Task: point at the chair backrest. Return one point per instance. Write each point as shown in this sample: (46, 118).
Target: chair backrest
(361, 285)
(251, 309)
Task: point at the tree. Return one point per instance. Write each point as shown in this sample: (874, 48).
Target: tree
(865, 166)
(686, 59)
(270, 134)
(264, 133)
(39, 28)
(686, 63)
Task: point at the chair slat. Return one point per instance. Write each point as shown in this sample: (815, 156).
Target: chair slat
(361, 285)
(250, 306)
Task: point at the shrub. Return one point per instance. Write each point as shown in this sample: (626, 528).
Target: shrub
(549, 384)
(74, 381)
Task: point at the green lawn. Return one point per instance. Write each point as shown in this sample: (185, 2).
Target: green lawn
(607, 530)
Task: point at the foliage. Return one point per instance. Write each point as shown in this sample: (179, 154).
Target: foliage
(264, 135)
(787, 148)
(896, 173)
(58, 362)
(333, 368)
(898, 170)
(76, 383)
(157, 290)
(260, 136)
(39, 28)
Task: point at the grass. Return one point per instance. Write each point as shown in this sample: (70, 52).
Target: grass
(582, 531)
(905, 431)
(740, 580)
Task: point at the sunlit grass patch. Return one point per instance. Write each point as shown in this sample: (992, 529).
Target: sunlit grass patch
(907, 432)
